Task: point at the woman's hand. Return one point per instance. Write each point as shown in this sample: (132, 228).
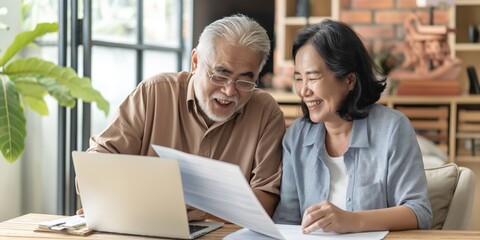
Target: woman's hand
(329, 218)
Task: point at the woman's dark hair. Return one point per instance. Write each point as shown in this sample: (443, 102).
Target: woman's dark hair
(344, 53)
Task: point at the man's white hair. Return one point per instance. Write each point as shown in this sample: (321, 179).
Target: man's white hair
(238, 30)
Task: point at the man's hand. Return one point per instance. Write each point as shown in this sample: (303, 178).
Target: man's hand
(80, 212)
(195, 214)
(329, 218)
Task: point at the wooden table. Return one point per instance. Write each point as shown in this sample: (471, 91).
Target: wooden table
(22, 228)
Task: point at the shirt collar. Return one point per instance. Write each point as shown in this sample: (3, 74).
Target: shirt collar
(191, 104)
(312, 139)
(360, 137)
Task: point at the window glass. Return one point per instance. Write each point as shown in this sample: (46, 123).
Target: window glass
(187, 33)
(114, 20)
(113, 74)
(155, 62)
(38, 11)
(160, 22)
(47, 53)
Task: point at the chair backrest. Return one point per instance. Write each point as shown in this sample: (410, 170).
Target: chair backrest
(451, 190)
(459, 214)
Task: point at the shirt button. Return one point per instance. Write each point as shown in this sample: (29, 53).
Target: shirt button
(348, 199)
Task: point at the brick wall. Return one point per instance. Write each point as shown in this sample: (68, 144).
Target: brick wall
(380, 22)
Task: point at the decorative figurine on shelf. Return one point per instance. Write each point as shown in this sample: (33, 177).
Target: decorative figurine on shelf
(426, 53)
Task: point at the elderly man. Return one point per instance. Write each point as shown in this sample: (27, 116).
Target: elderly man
(214, 111)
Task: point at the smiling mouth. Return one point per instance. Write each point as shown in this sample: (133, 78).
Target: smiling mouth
(313, 103)
(223, 102)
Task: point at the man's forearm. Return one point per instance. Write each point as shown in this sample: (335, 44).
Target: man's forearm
(269, 201)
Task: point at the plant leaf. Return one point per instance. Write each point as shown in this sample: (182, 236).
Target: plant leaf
(32, 93)
(36, 104)
(24, 38)
(29, 86)
(79, 87)
(85, 91)
(12, 121)
(58, 91)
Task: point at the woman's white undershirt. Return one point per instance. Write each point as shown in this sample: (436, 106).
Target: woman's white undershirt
(338, 181)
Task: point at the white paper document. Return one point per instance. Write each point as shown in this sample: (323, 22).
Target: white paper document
(295, 232)
(74, 221)
(221, 189)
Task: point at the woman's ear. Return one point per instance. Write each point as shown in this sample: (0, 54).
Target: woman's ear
(351, 81)
(194, 61)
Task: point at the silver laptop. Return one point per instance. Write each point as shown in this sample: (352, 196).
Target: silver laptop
(136, 195)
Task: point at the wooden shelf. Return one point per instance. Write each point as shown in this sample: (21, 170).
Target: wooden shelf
(463, 135)
(285, 97)
(464, 14)
(467, 159)
(436, 118)
(287, 24)
(467, 2)
(467, 47)
(435, 100)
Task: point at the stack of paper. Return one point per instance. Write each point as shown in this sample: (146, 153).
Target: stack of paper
(75, 225)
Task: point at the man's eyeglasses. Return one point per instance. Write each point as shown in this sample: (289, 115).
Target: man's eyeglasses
(220, 80)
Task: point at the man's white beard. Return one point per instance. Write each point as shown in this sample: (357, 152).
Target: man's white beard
(204, 107)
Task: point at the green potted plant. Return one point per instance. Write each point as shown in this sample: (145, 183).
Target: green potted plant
(26, 81)
(386, 60)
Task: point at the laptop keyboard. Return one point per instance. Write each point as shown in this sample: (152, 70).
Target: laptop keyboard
(195, 228)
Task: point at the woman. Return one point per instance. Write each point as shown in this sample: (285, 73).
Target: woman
(349, 165)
